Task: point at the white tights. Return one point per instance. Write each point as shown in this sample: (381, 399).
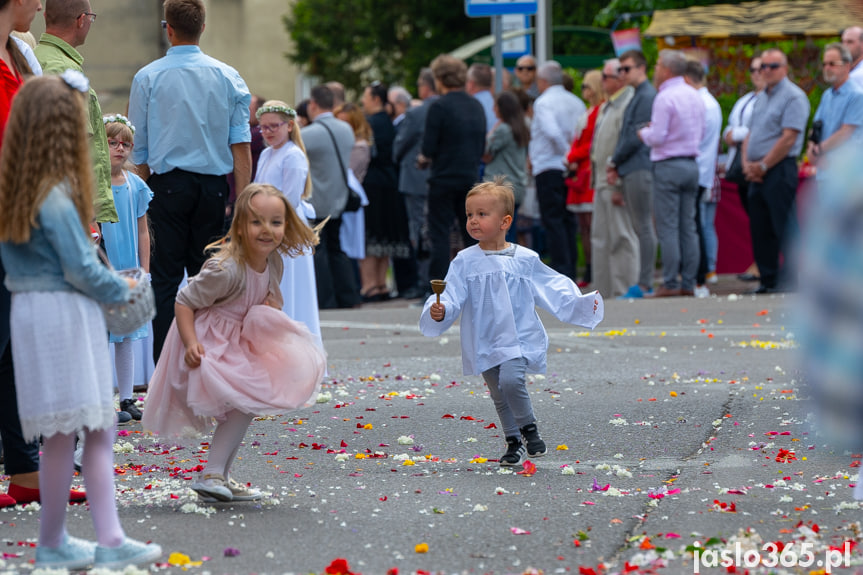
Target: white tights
(55, 479)
(124, 364)
(226, 442)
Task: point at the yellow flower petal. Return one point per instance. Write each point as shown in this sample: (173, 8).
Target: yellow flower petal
(421, 548)
(562, 448)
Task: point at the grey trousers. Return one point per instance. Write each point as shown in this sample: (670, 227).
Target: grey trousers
(613, 245)
(675, 186)
(417, 209)
(638, 194)
(509, 393)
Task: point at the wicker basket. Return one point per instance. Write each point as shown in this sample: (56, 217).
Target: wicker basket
(126, 317)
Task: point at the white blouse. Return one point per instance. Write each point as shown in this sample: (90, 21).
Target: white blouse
(497, 295)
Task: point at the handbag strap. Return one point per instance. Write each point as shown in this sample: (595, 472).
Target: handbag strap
(338, 155)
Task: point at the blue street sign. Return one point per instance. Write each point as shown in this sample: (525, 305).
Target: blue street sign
(481, 8)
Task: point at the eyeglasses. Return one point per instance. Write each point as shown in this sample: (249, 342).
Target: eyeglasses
(114, 144)
(754, 70)
(271, 127)
(609, 77)
(523, 68)
(91, 16)
(833, 64)
(771, 66)
(624, 69)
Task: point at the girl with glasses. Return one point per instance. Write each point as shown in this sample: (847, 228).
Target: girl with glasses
(283, 164)
(127, 242)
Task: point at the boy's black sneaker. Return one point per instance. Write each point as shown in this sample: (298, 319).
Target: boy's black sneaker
(128, 405)
(535, 444)
(514, 452)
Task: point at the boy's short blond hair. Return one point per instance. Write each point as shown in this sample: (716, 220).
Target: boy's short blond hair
(501, 189)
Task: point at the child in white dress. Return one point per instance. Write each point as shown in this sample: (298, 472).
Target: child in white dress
(283, 164)
(495, 286)
(127, 243)
(58, 329)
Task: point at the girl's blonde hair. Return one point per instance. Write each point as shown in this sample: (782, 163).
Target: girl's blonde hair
(122, 132)
(295, 136)
(46, 144)
(500, 189)
(298, 235)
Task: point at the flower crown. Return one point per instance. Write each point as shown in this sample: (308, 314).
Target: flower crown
(120, 119)
(290, 112)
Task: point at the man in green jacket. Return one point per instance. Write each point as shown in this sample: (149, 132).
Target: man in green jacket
(67, 23)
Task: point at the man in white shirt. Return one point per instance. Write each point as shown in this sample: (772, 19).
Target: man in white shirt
(555, 114)
(708, 151)
(852, 38)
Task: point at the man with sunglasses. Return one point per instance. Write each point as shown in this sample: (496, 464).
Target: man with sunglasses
(631, 163)
(840, 111)
(67, 24)
(525, 71)
(770, 153)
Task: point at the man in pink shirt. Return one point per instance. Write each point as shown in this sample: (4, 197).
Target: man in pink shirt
(673, 135)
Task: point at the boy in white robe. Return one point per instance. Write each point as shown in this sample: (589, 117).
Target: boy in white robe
(495, 286)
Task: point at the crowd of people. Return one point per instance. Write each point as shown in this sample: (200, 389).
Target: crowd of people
(321, 202)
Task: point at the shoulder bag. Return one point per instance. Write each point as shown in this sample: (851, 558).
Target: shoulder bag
(354, 200)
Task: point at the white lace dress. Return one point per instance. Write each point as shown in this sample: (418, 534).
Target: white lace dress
(64, 382)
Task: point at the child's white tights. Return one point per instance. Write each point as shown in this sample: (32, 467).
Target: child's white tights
(124, 364)
(226, 442)
(55, 478)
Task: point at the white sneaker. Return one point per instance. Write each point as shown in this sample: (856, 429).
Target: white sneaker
(701, 292)
(213, 485)
(239, 492)
(712, 278)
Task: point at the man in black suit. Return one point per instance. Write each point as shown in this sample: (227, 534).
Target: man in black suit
(413, 181)
(454, 142)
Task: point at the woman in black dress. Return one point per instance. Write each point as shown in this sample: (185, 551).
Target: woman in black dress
(386, 219)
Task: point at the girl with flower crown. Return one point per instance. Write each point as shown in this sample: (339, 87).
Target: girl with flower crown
(283, 164)
(127, 242)
(58, 328)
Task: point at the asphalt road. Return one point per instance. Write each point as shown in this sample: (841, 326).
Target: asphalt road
(691, 411)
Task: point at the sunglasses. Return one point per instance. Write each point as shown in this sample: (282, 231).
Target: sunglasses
(523, 68)
(625, 69)
(771, 66)
(754, 70)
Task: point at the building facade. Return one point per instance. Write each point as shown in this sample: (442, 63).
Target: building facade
(249, 35)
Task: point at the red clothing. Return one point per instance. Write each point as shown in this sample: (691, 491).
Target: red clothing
(580, 190)
(10, 81)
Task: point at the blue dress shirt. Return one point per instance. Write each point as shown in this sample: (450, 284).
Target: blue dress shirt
(188, 109)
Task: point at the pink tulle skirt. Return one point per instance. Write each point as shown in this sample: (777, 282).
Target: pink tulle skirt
(263, 364)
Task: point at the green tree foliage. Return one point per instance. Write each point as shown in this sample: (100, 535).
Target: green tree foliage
(358, 41)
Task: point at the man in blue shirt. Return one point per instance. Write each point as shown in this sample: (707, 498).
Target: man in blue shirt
(191, 112)
(840, 110)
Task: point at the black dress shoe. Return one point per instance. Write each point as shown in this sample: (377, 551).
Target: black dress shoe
(412, 293)
(748, 277)
(762, 289)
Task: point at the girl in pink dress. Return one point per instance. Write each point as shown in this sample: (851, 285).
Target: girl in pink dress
(231, 353)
